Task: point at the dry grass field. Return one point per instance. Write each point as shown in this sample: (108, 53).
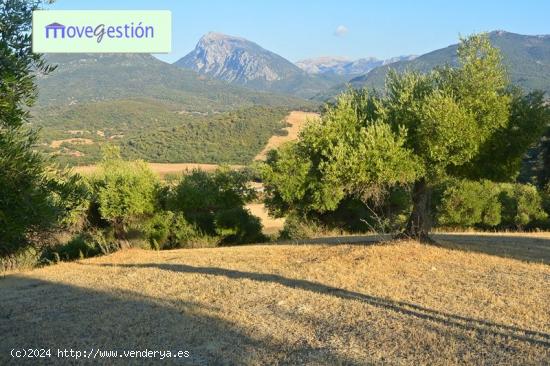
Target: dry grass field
(161, 169)
(297, 120)
(349, 304)
(77, 140)
(270, 225)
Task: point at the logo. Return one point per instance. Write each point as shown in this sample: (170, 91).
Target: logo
(102, 31)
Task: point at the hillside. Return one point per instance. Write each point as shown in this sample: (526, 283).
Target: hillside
(153, 110)
(242, 62)
(296, 121)
(86, 78)
(526, 57)
(393, 303)
(148, 130)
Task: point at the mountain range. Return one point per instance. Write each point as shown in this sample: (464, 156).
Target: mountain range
(242, 62)
(88, 78)
(526, 57)
(344, 66)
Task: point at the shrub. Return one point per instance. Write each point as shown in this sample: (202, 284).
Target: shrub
(486, 204)
(85, 244)
(214, 204)
(34, 197)
(297, 228)
(238, 226)
(467, 203)
(79, 247)
(124, 191)
(521, 205)
(168, 230)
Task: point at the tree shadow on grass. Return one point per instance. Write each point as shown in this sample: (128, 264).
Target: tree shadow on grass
(409, 309)
(41, 314)
(525, 248)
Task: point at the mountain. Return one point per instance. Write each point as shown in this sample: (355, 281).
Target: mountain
(324, 64)
(152, 110)
(240, 61)
(344, 66)
(86, 78)
(527, 59)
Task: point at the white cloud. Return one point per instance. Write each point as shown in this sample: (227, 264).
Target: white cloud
(341, 31)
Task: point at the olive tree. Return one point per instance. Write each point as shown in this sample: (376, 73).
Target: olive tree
(34, 196)
(423, 129)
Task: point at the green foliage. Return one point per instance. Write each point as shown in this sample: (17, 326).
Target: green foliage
(425, 129)
(469, 203)
(238, 226)
(450, 112)
(521, 205)
(85, 244)
(529, 117)
(34, 196)
(169, 230)
(200, 195)
(299, 227)
(124, 191)
(349, 152)
(214, 204)
(17, 62)
(156, 132)
(79, 247)
(486, 204)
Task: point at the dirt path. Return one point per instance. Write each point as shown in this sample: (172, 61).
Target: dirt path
(297, 121)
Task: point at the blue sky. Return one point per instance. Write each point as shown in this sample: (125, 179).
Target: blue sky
(302, 29)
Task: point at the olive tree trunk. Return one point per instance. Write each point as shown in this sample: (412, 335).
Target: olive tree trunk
(420, 222)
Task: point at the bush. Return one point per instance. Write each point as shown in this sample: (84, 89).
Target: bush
(467, 203)
(79, 247)
(298, 228)
(521, 205)
(84, 245)
(168, 230)
(238, 226)
(124, 191)
(34, 196)
(487, 204)
(214, 204)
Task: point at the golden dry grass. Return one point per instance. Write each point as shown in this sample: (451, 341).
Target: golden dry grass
(270, 225)
(297, 120)
(161, 169)
(394, 303)
(77, 141)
